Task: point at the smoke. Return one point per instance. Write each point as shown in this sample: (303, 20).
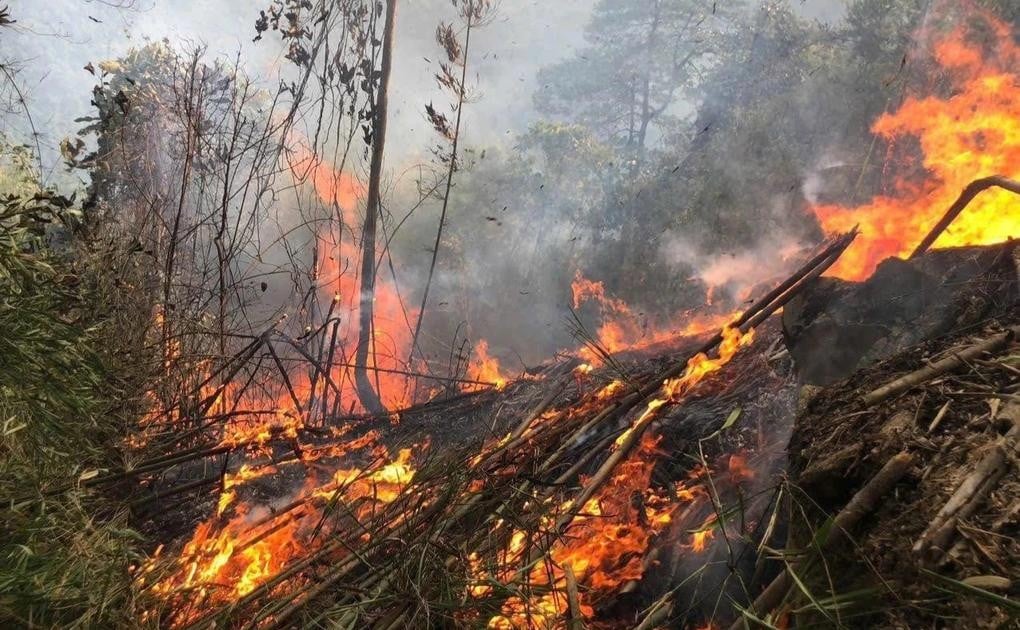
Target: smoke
(515, 237)
(734, 275)
(53, 40)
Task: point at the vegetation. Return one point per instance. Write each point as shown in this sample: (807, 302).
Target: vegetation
(70, 358)
(221, 220)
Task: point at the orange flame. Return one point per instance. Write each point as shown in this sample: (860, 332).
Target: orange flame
(622, 329)
(973, 133)
(485, 368)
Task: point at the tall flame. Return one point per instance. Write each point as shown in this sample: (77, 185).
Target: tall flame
(972, 133)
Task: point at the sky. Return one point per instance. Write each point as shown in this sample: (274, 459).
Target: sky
(54, 39)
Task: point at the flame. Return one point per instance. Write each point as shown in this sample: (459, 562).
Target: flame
(703, 536)
(604, 545)
(972, 133)
(622, 329)
(584, 369)
(485, 368)
(606, 541)
(698, 367)
(221, 563)
(232, 480)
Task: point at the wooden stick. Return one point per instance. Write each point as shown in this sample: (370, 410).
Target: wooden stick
(860, 505)
(928, 372)
(939, 416)
(961, 202)
(575, 620)
(657, 615)
(969, 495)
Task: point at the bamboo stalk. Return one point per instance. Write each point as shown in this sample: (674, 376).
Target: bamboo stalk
(969, 495)
(928, 372)
(575, 620)
(860, 505)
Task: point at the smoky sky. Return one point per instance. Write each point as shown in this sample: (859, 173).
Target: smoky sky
(54, 39)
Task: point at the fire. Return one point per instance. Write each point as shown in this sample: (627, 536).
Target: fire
(335, 188)
(698, 367)
(605, 544)
(703, 536)
(622, 329)
(383, 485)
(392, 321)
(222, 566)
(584, 369)
(485, 368)
(973, 132)
(222, 563)
(231, 480)
(608, 539)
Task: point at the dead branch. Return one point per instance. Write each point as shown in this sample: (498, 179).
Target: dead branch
(969, 495)
(860, 505)
(958, 206)
(955, 360)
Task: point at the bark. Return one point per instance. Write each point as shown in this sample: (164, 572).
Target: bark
(366, 393)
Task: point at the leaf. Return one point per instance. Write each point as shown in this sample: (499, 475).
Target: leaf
(804, 589)
(732, 418)
(958, 586)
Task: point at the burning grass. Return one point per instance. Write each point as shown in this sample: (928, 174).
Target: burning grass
(566, 496)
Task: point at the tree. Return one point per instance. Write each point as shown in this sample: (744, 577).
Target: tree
(369, 397)
(640, 58)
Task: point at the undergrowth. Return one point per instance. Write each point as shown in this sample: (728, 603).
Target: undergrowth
(66, 369)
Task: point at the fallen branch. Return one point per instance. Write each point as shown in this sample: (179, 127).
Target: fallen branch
(860, 505)
(968, 496)
(928, 372)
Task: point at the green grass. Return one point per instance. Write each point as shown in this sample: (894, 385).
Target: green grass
(65, 553)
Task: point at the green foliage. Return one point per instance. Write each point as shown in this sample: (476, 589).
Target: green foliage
(640, 59)
(60, 564)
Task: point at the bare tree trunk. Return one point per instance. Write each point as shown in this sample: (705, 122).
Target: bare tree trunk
(368, 396)
(647, 112)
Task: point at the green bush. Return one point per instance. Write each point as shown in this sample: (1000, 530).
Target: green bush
(65, 552)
